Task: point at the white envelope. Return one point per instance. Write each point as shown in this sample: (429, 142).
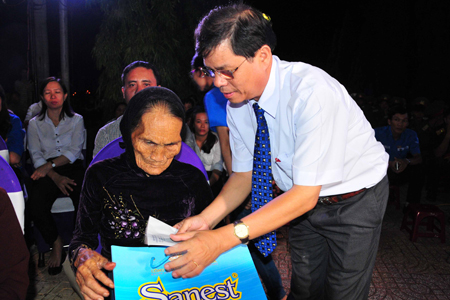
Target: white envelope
(158, 233)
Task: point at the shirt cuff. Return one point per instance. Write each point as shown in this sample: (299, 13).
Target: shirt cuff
(70, 156)
(39, 163)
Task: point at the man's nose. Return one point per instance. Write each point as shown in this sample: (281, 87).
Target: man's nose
(219, 81)
(140, 87)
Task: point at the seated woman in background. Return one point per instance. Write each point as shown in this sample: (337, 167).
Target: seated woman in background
(207, 147)
(55, 142)
(12, 133)
(119, 194)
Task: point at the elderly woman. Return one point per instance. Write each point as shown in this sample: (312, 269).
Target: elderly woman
(55, 142)
(119, 194)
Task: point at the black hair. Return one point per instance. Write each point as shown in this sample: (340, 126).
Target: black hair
(197, 61)
(5, 122)
(66, 109)
(246, 28)
(397, 109)
(211, 139)
(144, 64)
(191, 99)
(143, 102)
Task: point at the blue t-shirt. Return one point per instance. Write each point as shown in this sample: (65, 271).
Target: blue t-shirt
(14, 140)
(407, 143)
(216, 108)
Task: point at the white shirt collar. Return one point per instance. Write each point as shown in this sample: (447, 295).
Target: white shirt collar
(271, 95)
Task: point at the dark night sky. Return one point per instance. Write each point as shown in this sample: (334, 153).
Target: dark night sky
(396, 47)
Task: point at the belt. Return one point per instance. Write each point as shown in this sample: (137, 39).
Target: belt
(336, 198)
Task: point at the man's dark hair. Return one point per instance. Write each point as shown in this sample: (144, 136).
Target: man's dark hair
(246, 28)
(397, 109)
(66, 109)
(144, 64)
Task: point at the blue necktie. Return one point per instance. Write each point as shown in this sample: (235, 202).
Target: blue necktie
(262, 191)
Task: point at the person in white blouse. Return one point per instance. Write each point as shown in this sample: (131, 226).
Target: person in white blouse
(207, 147)
(55, 141)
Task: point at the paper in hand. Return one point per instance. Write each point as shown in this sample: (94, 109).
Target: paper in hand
(158, 233)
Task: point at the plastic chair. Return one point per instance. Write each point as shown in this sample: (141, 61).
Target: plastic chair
(420, 212)
(186, 155)
(10, 182)
(4, 150)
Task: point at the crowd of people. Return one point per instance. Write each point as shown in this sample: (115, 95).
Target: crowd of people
(416, 135)
(311, 151)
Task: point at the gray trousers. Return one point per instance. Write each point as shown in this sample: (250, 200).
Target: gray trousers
(333, 247)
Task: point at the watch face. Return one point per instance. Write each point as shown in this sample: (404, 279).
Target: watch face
(241, 231)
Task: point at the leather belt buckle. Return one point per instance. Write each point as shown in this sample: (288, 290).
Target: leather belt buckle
(325, 201)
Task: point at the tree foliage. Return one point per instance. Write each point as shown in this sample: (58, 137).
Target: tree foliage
(158, 31)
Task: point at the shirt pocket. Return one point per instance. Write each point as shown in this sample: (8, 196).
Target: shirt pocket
(284, 163)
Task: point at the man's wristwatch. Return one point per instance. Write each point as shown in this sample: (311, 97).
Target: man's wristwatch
(53, 164)
(241, 231)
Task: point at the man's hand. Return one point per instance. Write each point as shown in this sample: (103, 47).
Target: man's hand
(192, 224)
(64, 183)
(398, 165)
(89, 273)
(41, 171)
(199, 248)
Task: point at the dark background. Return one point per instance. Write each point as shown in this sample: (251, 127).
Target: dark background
(397, 47)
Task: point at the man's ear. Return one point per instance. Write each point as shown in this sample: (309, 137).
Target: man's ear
(389, 122)
(123, 92)
(264, 55)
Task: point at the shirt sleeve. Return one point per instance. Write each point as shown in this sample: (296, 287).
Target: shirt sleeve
(73, 152)
(87, 225)
(242, 158)
(414, 146)
(217, 158)
(34, 144)
(15, 136)
(216, 110)
(100, 141)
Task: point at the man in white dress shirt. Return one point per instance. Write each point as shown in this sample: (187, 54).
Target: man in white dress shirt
(324, 156)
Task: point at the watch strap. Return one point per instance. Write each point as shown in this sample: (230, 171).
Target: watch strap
(244, 240)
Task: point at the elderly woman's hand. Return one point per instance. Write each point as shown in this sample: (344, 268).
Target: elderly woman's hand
(89, 264)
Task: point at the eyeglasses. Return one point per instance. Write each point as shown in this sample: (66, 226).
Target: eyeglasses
(202, 72)
(227, 74)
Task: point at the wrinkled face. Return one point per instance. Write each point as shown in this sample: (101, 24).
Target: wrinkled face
(398, 123)
(53, 95)
(249, 79)
(156, 140)
(137, 79)
(201, 124)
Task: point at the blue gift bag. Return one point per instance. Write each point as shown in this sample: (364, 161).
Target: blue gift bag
(139, 274)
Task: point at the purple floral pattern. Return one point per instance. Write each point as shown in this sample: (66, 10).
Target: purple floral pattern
(125, 222)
